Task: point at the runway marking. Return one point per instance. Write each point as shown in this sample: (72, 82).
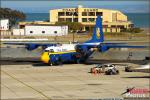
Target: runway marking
(27, 85)
(9, 89)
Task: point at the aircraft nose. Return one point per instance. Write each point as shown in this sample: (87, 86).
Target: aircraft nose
(45, 57)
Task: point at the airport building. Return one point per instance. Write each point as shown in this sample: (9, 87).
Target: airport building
(38, 30)
(4, 24)
(4, 27)
(113, 20)
(41, 30)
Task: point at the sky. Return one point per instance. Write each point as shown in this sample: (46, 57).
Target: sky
(32, 6)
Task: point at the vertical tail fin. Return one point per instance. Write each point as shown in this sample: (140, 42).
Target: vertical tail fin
(98, 35)
(100, 27)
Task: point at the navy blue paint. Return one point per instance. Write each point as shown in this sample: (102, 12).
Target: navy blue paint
(61, 58)
(94, 36)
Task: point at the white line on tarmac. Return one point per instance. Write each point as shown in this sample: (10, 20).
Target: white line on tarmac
(46, 97)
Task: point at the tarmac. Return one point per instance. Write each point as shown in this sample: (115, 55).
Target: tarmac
(21, 82)
(23, 77)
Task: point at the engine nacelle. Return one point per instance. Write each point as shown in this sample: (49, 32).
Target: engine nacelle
(31, 47)
(103, 48)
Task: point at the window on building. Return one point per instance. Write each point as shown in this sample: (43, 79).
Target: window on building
(105, 26)
(84, 13)
(55, 32)
(113, 26)
(69, 13)
(91, 13)
(31, 31)
(75, 20)
(99, 13)
(87, 28)
(43, 31)
(75, 13)
(91, 19)
(61, 13)
(61, 19)
(84, 19)
(69, 19)
(121, 26)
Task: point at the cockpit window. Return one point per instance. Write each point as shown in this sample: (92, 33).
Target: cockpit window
(51, 50)
(46, 50)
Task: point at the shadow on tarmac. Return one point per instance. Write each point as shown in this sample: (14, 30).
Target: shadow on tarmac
(36, 62)
(137, 77)
(19, 61)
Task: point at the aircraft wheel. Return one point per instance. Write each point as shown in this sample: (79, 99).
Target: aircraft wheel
(59, 62)
(117, 71)
(50, 63)
(78, 61)
(111, 73)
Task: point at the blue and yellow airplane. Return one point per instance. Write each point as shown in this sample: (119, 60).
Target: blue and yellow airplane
(80, 52)
(55, 54)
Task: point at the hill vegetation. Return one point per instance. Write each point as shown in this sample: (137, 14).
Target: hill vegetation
(13, 15)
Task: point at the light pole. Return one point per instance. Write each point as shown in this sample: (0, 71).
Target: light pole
(72, 22)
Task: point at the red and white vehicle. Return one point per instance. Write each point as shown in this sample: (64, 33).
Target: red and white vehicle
(108, 69)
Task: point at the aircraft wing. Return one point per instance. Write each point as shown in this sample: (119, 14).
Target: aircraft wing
(32, 46)
(105, 46)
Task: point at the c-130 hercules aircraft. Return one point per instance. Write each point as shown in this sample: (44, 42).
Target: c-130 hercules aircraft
(55, 54)
(79, 53)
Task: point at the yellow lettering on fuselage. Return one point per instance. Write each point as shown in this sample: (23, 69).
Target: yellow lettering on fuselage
(62, 52)
(98, 33)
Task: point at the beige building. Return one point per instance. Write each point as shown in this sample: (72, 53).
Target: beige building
(113, 20)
